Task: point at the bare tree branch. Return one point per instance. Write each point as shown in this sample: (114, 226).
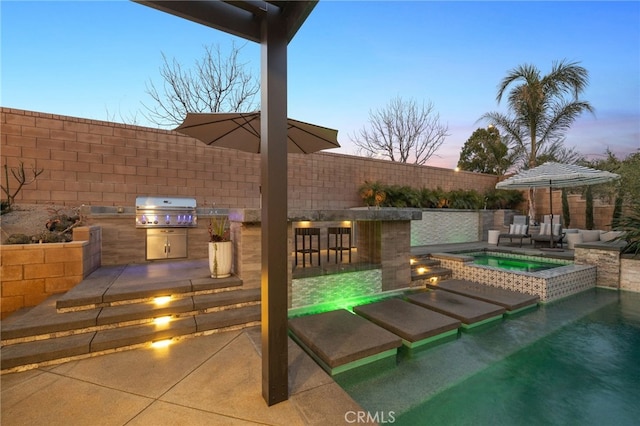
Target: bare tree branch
(403, 131)
(216, 83)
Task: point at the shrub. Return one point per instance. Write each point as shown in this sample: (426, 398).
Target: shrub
(589, 209)
(566, 214)
(372, 193)
(465, 199)
(401, 196)
(630, 225)
(375, 193)
(427, 198)
(503, 198)
(18, 239)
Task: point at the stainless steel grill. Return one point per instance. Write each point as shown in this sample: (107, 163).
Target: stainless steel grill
(167, 212)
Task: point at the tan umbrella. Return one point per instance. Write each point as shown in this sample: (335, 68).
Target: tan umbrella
(242, 131)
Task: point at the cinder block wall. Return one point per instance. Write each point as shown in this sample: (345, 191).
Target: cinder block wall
(108, 164)
(602, 214)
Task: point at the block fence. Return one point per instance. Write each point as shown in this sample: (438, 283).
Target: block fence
(30, 273)
(94, 162)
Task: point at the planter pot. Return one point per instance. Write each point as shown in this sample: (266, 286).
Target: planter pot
(220, 256)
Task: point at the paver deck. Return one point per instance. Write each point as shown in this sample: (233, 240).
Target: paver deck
(511, 300)
(416, 325)
(466, 309)
(340, 340)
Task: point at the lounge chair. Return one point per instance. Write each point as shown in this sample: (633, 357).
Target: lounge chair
(519, 229)
(549, 233)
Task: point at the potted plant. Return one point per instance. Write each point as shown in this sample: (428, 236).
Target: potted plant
(373, 194)
(220, 247)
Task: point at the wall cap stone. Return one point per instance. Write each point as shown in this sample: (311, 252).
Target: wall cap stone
(385, 214)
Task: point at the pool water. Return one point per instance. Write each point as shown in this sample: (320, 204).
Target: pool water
(553, 366)
(512, 264)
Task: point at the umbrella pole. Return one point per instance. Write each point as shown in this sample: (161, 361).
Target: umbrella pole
(551, 244)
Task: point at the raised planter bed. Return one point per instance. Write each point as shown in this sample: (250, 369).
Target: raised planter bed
(33, 272)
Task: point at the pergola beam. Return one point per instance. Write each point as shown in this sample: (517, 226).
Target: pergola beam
(240, 18)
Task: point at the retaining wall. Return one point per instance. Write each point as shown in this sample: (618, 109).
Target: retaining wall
(30, 273)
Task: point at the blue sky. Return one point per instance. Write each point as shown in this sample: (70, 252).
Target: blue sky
(92, 59)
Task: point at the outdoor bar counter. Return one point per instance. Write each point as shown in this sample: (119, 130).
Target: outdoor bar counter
(382, 237)
(355, 214)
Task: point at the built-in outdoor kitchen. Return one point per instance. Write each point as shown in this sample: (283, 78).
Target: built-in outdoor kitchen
(155, 228)
(161, 228)
(166, 221)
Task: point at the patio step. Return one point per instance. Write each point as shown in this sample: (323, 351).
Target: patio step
(423, 268)
(98, 291)
(47, 334)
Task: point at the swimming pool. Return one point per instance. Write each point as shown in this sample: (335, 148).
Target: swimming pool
(570, 362)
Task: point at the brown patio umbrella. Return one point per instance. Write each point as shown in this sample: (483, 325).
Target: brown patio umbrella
(242, 131)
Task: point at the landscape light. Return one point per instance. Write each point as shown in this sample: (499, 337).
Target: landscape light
(159, 344)
(162, 300)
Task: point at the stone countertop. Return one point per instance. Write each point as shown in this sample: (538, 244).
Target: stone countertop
(255, 215)
(382, 214)
(114, 211)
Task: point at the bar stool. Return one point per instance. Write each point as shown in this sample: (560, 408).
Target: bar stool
(307, 234)
(338, 246)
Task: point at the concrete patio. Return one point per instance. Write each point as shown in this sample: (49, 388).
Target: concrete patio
(207, 379)
(210, 380)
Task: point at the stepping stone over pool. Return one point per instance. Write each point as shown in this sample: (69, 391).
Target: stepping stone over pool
(340, 341)
(512, 301)
(416, 325)
(472, 312)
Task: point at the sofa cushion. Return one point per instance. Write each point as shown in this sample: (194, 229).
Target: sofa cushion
(545, 228)
(567, 232)
(518, 229)
(590, 236)
(610, 236)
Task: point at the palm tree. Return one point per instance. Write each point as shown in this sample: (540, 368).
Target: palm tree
(541, 110)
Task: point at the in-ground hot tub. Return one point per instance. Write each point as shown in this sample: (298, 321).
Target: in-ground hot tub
(513, 263)
(565, 279)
